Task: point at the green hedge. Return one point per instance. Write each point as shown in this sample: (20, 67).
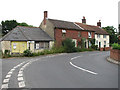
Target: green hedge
(116, 46)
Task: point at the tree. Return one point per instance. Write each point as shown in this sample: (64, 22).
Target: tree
(69, 45)
(8, 25)
(24, 24)
(113, 34)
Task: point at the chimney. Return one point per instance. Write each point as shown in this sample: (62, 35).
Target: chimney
(45, 17)
(99, 23)
(84, 20)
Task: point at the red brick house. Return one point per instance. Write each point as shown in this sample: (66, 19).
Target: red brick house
(59, 30)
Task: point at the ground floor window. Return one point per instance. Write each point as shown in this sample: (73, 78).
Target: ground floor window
(41, 45)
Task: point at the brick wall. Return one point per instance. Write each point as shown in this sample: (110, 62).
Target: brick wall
(115, 54)
(70, 34)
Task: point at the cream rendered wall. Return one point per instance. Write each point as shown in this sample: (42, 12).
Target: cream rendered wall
(101, 39)
(5, 45)
(51, 44)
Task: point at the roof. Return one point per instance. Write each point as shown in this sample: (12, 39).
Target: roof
(21, 33)
(98, 30)
(64, 24)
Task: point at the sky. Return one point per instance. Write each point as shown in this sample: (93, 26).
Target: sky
(31, 11)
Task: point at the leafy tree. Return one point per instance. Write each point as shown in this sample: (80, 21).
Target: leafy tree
(24, 24)
(69, 45)
(113, 34)
(8, 25)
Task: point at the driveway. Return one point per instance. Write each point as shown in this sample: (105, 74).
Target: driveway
(73, 70)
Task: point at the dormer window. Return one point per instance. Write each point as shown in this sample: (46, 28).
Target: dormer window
(89, 35)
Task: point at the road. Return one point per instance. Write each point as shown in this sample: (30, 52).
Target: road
(73, 70)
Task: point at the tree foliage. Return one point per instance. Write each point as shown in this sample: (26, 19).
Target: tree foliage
(8, 25)
(113, 34)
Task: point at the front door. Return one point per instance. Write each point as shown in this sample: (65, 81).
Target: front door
(99, 45)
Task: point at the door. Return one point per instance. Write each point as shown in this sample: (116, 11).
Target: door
(99, 45)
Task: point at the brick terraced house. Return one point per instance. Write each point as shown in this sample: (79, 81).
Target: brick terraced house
(59, 30)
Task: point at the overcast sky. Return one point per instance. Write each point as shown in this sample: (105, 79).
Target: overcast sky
(31, 11)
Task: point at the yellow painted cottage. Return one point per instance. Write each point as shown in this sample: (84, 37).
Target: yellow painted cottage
(22, 38)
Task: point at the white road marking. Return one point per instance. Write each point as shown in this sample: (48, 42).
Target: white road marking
(21, 84)
(20, 78)
(10, 72)
(20, 72)
(75, 57)
(83, 69)
(8, 76)
(5, 80)
(19, 75)
(4, 86)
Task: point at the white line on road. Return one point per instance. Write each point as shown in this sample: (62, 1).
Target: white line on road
(75, 57)
(21, 84)
(8, 76)
(5, 80)
(4, 86)
(83, 69)
(20, 78)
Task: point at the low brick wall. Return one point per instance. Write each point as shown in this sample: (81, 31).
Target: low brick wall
(105, 49)
(115, 54)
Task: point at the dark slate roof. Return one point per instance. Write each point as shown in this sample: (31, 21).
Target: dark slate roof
(64, 24)
(98, 30)
(21, 33)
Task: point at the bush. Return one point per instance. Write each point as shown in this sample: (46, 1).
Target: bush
(116, 46)
(27, 53)
(95, 47)
(69, 45)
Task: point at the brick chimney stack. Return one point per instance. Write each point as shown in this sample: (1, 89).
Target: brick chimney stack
(84, 20)
(99, 23)
(45, 17)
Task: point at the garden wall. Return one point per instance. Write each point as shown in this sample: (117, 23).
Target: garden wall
(115, 54)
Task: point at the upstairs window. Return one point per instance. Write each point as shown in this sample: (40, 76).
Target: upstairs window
(63, 33)
(104, 36)
(98, 36)
(89, 35)
(79, 34)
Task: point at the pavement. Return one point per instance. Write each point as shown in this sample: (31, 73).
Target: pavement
(73, 70)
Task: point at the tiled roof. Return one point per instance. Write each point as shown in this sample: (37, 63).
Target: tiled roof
(64, 24)
(98, 30)
(21, 33)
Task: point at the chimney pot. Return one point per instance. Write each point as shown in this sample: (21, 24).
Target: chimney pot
(84, 20)
(99, 23)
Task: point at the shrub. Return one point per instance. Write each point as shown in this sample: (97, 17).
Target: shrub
(95, 47)
(69, 45)
(27, 53)
(116, 46)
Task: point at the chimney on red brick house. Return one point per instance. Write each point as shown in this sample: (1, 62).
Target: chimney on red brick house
(45, 17)
(84, 20)
(99, 23)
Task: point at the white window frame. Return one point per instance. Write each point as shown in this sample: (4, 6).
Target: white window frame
(90, 34)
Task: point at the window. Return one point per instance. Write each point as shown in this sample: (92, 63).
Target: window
(63, 33)
(98, 36)
(14, 45)
(41, 45)
(79, 34)
(104, 42)
(96, 42)
(89, 34)
(104, 36)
